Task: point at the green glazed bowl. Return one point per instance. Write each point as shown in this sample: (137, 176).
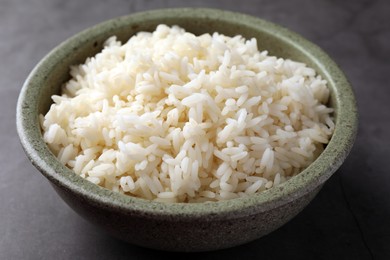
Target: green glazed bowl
(180, 226)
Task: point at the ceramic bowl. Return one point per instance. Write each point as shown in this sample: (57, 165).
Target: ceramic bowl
(180, 226)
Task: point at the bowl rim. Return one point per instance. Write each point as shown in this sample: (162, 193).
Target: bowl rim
(306, 181)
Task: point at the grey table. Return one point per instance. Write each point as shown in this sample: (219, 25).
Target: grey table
(349, 219)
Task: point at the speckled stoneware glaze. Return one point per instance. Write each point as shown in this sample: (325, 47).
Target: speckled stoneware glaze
(179, 226)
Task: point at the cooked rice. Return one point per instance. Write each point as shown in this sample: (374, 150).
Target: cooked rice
(175, 117)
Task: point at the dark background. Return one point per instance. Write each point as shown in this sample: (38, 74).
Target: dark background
(349, 219)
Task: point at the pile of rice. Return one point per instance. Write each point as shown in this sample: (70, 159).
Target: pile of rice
(175, 117)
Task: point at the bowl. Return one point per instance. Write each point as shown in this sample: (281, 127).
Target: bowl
(181, 226)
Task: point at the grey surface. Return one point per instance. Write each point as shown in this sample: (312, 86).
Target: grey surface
(349, 219)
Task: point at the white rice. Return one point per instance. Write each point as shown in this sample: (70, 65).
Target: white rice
(175, 117)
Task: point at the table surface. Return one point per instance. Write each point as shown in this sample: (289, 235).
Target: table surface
(350, 217)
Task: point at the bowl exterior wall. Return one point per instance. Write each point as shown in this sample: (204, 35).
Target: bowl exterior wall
(174, 234)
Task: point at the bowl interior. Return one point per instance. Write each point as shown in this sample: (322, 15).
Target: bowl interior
(47, 77)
